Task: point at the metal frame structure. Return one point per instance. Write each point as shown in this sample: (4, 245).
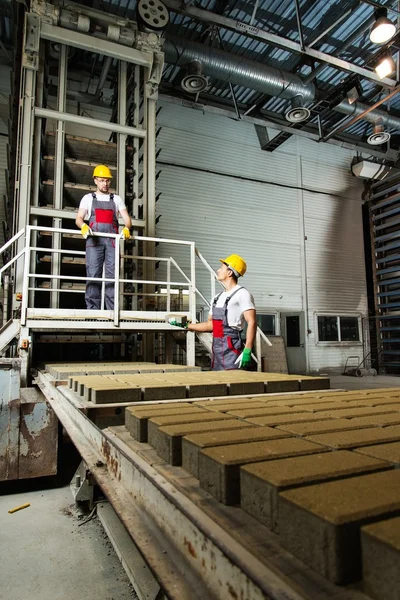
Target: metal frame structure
(194, 548)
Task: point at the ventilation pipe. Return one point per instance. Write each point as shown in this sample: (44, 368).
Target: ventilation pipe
(261, 78)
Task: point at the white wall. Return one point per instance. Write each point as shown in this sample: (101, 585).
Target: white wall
(221, 190)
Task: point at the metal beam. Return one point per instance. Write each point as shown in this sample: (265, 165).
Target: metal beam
(83, 41)
(275, 40)
(361, 115)
(97, 123)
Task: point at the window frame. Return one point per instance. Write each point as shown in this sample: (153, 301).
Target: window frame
(339, 342)
(266, 313)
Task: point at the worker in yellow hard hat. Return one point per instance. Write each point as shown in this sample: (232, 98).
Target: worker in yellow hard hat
(101, 208)
(228, 312)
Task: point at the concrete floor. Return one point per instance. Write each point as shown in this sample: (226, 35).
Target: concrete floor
(361, 383)
(45, 552)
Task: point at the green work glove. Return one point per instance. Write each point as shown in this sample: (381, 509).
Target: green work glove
(181, 325)
(245, 358)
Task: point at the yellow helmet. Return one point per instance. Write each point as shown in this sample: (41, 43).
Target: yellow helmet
(102, 171)
(236, 263)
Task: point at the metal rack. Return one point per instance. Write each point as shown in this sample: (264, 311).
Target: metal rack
(384, 211)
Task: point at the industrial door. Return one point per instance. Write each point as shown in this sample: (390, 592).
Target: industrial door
(294, 336)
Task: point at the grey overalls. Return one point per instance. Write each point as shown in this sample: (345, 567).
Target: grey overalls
(99, 251)
(227, 341)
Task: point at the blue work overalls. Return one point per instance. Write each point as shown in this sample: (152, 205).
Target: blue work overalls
(227, 341)
(99, 251)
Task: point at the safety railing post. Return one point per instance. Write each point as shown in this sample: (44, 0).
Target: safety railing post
(116, 285)
(191, 336)
(169, 286)
(258, 350)
(25, 280)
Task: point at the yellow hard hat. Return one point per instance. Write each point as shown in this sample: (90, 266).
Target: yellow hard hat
(236, 263)
(102, 171)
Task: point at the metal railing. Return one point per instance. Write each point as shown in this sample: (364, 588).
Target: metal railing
(26, 253)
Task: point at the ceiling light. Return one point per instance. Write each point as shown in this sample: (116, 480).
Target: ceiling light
(385, 67)
(383, 29)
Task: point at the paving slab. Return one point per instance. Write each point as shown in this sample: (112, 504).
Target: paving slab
(361, 411)
(317, 383)
(163, 421)
(219, 467)
(293, 417)
(328, 426)
(359, 437)
(380, 420)
(230, 407)
(167, 441)
(389, 452)
(320, 524)
(243, 387)
(193, 444)
(200, 390)
(380, 545)
(116, 394)
(267, 410)
(136, 417)
(288, 385)
(261, 483)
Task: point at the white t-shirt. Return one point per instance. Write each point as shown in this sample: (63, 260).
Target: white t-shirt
(241, 302)
(86, 203)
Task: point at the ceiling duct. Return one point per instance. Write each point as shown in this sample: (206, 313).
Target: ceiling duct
(194, 81)
(261, 78)
(237, 70)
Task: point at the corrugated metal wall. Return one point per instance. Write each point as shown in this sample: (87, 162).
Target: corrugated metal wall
(4, 92)
(219, 189)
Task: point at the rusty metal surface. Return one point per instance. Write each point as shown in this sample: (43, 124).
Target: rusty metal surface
(28, 428)
(38, 436)
(10, 371)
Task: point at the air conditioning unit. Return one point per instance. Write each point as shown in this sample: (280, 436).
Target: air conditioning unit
(370, 170)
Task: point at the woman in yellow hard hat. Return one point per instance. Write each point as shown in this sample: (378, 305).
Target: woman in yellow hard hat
(228, 311)
(101, 208)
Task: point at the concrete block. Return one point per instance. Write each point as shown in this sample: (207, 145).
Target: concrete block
(123, 394)
(219, 467)
(164, 392)
(328, 426)
(294, 417)
(380, 420)
(362, 411)
(245, 387)
(193, 444)
(199, 390)
(359, 437)
(261, 483)
(236, 406)
(266, 410)
(380, 545)
(163, 421)
(316, 383)
(136, 417)
(320, 524)
(288, 385)
(389, 452)
(167, 441)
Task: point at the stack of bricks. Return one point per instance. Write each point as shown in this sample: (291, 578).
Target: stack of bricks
(170, 384)
(315, 468)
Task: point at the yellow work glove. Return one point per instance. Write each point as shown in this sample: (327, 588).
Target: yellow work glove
(126, 234)
(85, 230)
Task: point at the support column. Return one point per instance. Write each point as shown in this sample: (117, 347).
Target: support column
(59, 173)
